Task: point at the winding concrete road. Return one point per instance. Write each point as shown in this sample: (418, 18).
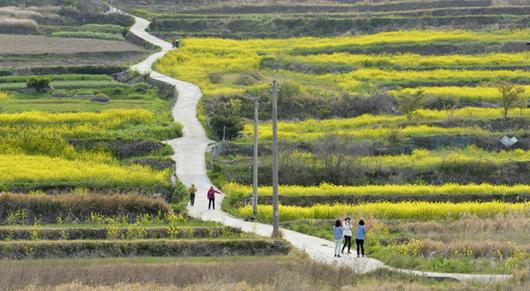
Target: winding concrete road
(191, 169)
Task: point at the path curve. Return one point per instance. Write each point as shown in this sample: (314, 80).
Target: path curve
(191, 168)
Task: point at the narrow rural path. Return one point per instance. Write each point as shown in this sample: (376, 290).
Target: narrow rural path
(191, 169)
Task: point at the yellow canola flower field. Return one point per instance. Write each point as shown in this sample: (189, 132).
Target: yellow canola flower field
(424, 159)
(199, 58)
(78, 124)
(370, 126)
(421, 159)
(21, 170)
(470, 94)
(391, 77)
(383, 190)
(391, 210)
(416, 60)
(108, 118)
(3, 95)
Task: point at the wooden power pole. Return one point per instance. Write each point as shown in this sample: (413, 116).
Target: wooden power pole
(275, 209)
(255, 162)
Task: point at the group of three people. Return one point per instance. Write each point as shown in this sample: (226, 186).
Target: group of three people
(210, 194)
(342, 232)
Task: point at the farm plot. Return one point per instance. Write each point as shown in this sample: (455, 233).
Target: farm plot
(64, 37)
(350, 147)
(114, 128)
(253, 19)
(134, 226)
(27, 53)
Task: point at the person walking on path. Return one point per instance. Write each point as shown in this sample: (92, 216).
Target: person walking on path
(360, 235)
(211, 197)
(192, 190)
(337, 236)
(347, 231)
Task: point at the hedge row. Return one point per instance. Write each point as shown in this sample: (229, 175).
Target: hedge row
(36, 233)
(156, 248)
(78, 207)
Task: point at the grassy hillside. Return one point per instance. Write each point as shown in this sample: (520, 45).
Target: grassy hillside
(273, 19)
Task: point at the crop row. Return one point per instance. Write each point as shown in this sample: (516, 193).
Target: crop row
(377, 133)
(107, 119)
(79, 207)
(465, 94)
(27, 172)
(133, 231)
(421, 159)
(409, 60)
(373, 126)
(380, 190)
(389, 210)
(181, 248)
(66, 85)
(58, 77)
(364, 78)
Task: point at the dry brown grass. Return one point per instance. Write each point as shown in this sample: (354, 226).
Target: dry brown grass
(280, 273)
(293, 272)
(470, 228)
(33, 44)
(15, 12)
(15, 25)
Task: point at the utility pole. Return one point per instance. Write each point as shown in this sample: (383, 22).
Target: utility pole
(275, 210)
(255, 163)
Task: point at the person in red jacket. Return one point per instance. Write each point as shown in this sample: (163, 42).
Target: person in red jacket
(211, 197)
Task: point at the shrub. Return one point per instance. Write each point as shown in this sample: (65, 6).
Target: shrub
(38, 83)
(102, 98)
(77, 207)
(141, 87)
(215, 78)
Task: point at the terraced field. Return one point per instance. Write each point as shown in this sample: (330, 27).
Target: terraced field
(352, 145)
(48, 37)
(391, 112)
(262, 19)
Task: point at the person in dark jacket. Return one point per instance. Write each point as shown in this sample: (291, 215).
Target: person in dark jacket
(211, 197)
(192, 190)
(360, 236)
(347, 232)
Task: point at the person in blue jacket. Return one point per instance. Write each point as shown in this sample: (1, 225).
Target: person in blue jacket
(337, 236)
(360, 236)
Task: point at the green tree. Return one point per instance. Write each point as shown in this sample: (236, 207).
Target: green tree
(409, 104)
(40, 84)
(225, 117)
(511, 95)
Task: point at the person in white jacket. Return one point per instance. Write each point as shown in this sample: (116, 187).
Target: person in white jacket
(347, 232)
